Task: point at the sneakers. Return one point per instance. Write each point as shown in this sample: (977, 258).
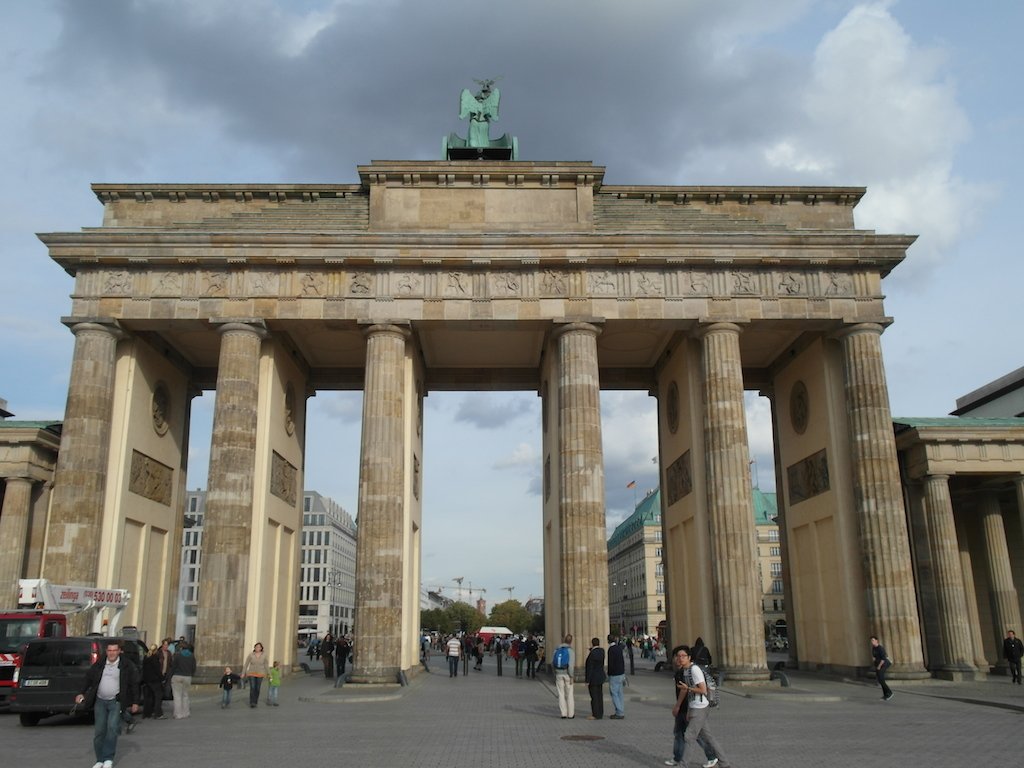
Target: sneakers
(711, 763)
(98, 764)
(108, 764)
(888, 696)
(617, 717)
(670, 761)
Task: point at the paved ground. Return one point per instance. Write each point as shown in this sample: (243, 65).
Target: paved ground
(483, 720)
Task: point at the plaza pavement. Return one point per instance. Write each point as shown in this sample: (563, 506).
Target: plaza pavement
(483, 720)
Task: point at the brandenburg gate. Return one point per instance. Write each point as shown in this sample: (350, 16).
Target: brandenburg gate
(485, 275)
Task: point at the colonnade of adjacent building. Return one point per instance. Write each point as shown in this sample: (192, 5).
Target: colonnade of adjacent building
(251, 536)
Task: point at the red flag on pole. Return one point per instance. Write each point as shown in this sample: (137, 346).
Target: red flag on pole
(631, 484)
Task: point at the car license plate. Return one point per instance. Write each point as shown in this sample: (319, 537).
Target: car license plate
(34, 683)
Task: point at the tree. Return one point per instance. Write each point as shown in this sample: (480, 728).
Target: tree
(464, 618)
(511, 614)
(436, 618)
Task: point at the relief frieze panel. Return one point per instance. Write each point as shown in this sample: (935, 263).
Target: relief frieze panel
(150, 479)
(457, 285)
(505, 284)
(118, 283)
(808, 477)
(678, 479)
(283, 479)
(262, 283)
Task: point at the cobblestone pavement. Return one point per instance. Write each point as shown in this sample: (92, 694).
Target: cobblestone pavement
(481, 719)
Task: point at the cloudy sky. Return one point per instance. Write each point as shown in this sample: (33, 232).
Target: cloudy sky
(919, 100)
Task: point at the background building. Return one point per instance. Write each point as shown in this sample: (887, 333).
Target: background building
(327, 570)
(636, 584)
(769, 559)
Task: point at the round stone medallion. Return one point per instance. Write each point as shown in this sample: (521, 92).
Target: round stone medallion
(672, 407)
(799, 407)
(161, 408)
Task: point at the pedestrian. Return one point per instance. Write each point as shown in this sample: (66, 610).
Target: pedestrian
(629, 649)
(253, 672)
(564, 664)
(881, 663)
(152, 685)
(1013, 650)
(680, 713)
(594, 676)
(183, 667)
(342, 649)
(518, 654)
(273, 684)
(227, 683)
(616, 677)
(453, 650)
(111, 685)
(478, 652)
(327, 655)
(532, 646)
(697, 733)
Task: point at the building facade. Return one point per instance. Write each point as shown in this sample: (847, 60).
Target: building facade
(327, 561)
(636, 579)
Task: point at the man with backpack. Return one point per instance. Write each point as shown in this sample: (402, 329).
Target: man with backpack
(563, 661)
(692, 695)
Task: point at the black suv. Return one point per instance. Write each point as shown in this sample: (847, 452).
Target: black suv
(53, 671)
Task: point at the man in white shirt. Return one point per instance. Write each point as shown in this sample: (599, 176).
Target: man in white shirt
(696, 690)
(111, 684)
(453, 650)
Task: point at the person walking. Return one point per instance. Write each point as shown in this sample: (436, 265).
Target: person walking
(616, 677)
(680, 713)
(327, 655)
(254, 671)
(273, 684)
(228, 681)
(183, 667)
(697, 733)
(564, 664)
(342, 649)
(881, 663)
(1013, 650)
(453, 650)
(532, 646)
(111, 684)
(594, 676)
(152, 685)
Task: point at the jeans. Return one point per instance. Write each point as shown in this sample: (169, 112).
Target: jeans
(107, 713)
(615, 685)
(254, 690)
(453, 666)
(679, 736)
(180, 685)
(697, 731)
(225, 698)
(531, 666)
(880, 675)
(272, 691)
(566, 701)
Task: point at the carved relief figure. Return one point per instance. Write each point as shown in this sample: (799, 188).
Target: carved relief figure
(161, 406)
(216, 283)
(552, 282)
(603, 282)
(648, 285)
(457, 283)
(838, 284)
(409, 284)
(505, 284)
(361, 282)
(743, 282)
(169, 284)
(118, 282)
(697, 282)
(791, 285)
(312, 284)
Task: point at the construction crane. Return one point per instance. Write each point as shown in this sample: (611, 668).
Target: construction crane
(509, 590)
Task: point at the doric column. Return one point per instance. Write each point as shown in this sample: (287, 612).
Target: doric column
(1002, 594)
(227, 530)
(736, 581)
(955, 639)
(581, 515)
(378, 616)
(13, 536)
(80, 478)
(888, 570)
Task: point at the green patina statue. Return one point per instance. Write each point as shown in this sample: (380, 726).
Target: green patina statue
(481, 110)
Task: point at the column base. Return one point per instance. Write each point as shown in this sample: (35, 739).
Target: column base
(388, 676)
(747, 676)
(907, 672)
(959, 674)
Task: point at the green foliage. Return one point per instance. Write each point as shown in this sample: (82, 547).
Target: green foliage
(464, 617)
(511, 614)
(436, 619)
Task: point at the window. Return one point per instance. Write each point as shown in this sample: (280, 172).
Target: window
(307, 503)
(775, 552)
(193, 504)
(657, 552)
(776, 586)
(773, 534)
(776, 569)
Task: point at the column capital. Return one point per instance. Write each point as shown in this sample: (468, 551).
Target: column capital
(854, 328)
(108, 325)
(576, 326)
(706, 328)
(387, 328)
(936, 477)
(241, 324)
